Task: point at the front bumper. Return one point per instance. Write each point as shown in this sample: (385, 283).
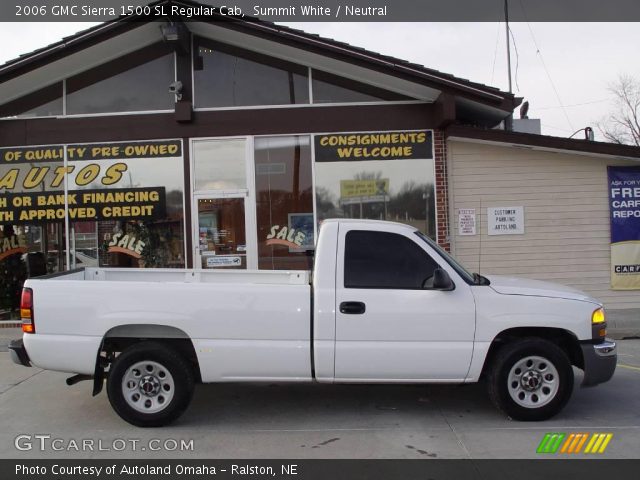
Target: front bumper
(599, 362)
(19, 354)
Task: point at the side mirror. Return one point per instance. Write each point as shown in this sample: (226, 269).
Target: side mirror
(442, 280)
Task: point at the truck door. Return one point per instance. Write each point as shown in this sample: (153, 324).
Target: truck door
(388, 326)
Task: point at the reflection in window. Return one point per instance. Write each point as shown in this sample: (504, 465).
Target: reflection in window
(46, 102)
(328, 88)
(284, 202)
(142, 87)
(138, 242)
(396, 190)
(385, 260)
(219, 165)
(232, 77)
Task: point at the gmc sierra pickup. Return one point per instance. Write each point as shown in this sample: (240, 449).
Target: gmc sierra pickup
(384, 304)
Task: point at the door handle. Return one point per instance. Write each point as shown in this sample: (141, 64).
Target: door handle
(352, 308)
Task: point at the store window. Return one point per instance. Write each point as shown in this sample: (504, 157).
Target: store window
(328, 88)
(124, 204)
(134, 83)
(376, 175)
(284, 202)
(227, 76)
(46, 102)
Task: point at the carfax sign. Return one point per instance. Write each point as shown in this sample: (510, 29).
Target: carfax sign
(624, 206)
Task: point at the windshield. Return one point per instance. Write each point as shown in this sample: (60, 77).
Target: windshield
(467, 276)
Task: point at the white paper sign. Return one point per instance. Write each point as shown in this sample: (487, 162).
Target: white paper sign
(219, 261)
(466, 221)
(505, 220)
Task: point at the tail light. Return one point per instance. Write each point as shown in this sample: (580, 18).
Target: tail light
(26, 311)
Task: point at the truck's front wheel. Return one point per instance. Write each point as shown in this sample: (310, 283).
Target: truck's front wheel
(531, 379)
(150, 384)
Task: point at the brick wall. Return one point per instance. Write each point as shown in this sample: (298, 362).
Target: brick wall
(442, 194)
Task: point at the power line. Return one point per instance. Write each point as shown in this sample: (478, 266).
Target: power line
(495, 55)
(575, 104)
(515, 47)
(544, 65)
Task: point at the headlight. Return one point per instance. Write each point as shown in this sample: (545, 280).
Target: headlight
(598, 316)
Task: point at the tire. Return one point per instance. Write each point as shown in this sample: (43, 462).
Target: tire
(530, 379)
(150, 385)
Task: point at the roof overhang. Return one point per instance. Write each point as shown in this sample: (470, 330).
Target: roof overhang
(474, 102)
(543, 143)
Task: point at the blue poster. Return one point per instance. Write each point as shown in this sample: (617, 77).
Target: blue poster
(624, 207)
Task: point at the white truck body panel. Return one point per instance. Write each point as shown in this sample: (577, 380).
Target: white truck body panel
(236, 320)
(404, 335)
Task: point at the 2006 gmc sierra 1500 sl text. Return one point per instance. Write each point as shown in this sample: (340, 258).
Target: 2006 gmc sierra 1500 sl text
(385, 305)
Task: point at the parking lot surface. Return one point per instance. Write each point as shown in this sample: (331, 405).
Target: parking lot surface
(44, 417)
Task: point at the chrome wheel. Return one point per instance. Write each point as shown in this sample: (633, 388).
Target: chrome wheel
(148, 387)
(533, 382)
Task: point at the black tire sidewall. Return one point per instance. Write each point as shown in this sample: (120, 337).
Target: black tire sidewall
(169, 359)
(509, 356)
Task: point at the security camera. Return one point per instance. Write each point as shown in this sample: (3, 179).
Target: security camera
(176, 89)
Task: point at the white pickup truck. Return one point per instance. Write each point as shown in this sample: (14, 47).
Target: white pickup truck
(384, 305)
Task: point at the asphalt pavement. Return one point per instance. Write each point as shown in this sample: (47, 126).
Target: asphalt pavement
(42, 417)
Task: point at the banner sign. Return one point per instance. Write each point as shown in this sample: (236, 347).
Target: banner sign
(337, 147)
(94, 151)
(112, 204)
(624, 208)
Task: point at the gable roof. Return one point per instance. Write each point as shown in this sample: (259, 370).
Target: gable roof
(469, 96)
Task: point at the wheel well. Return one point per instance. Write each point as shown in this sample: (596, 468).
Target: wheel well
(566, 340)
(122, 337)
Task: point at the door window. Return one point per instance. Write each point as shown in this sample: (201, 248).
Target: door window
(385, 260)
(221, 233)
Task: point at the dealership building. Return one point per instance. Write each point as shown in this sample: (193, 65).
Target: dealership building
(214, 144)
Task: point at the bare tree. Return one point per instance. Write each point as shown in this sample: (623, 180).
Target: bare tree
(622, 125)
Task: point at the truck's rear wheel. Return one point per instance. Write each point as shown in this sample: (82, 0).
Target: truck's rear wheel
(150, 384)
(530, 379)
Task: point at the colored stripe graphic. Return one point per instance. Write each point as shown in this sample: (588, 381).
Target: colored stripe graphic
(598, 443)
(573, 443)
(550, 443)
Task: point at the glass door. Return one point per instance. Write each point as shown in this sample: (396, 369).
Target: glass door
(222, 236)
(224, 205)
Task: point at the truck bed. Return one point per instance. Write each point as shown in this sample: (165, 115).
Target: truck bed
(244, 325)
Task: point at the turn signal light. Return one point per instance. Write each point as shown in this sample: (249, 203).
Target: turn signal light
(26, 311)
(602, 332)
(598, 316)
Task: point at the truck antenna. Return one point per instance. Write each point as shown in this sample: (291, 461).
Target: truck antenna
(480, 239)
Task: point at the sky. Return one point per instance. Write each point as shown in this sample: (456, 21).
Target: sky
(564, 70)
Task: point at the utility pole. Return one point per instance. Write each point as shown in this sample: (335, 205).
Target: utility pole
(509, 120)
